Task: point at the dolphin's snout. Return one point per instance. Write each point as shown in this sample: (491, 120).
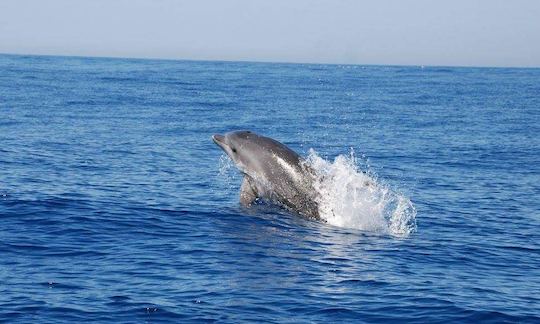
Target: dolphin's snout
(218, 139)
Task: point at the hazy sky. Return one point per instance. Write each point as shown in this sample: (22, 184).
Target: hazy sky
(411, 32)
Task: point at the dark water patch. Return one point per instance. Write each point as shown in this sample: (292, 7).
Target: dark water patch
(61, 286)
(119, 79)
(9, 123)
(83, 103)
(17, 248)
(366, 283)
(498, 317)
(523, 249)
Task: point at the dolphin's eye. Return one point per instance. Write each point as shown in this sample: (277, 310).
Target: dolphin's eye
(234, 150)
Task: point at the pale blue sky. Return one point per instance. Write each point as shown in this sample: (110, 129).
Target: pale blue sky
(409, 32)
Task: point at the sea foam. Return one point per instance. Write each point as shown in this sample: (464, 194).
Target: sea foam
(351, 198)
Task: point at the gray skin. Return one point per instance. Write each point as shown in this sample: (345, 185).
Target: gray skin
(272, 172)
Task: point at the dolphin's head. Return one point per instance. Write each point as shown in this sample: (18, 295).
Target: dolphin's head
(257, 155)
(240, 146)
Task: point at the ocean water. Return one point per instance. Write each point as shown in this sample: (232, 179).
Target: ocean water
(116, 206)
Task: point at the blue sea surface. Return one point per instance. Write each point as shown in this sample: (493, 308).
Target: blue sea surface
(116, 206)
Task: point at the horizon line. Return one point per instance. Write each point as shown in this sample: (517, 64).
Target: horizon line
(268, 61)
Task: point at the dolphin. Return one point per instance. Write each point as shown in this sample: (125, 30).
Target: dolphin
(272, 172)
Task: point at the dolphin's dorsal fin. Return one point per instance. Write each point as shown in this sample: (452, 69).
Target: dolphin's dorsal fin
(247, 192)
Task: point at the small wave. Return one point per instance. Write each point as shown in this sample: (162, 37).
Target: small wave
(350, 198)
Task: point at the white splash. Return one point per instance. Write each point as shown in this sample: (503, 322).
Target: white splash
(350, 198)
(225, 164)
(228, 173)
